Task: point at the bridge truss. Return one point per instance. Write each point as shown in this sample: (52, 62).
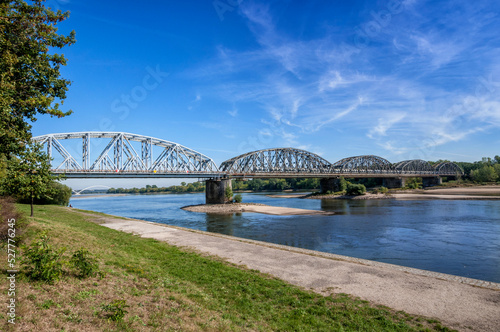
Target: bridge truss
(287, 162)
(116, 155)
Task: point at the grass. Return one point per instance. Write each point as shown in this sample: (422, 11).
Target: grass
(166, 288)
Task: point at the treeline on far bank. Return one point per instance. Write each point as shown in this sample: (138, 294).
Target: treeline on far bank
(254, 185)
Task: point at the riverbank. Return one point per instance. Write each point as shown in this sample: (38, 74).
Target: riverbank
(461, 303)
(169, 277)
(253, 208)
(489, 192)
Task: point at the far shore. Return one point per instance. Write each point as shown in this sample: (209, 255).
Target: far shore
(252, 207)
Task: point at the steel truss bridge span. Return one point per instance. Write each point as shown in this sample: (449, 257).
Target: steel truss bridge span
(125, 155)
(292, 163)
(118, 154)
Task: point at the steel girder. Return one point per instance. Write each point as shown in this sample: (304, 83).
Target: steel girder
(448, 169)
(279, 160)
(415, 166)
(119, 155)
(363, 164)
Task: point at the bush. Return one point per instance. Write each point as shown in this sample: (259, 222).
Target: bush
(42, 262)
(380, 190)
(355, 189)
(238, 198)
(84, 263)
(9, 215)
(115, 311)
(229, 194)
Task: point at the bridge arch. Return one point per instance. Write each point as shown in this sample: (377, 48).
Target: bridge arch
(120, 155)
(278, 160)
(363, 164)
(414, 166)
(79, 192)
(448, 169)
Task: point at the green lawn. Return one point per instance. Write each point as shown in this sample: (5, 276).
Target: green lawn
(166, 288)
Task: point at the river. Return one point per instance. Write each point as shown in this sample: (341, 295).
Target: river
(459, 237)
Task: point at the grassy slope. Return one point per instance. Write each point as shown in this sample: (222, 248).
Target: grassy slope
(171, 289)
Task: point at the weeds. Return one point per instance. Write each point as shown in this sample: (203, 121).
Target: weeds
(45, 263)
(115, 311)
(42, 262)
(84, 263)
(9, 213)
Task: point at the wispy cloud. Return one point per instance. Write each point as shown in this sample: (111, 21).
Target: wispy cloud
(403, 91)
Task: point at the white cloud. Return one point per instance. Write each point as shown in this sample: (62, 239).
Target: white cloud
(384, 124)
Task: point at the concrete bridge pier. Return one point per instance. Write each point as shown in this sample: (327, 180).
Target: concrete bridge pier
(394, 183)
(329, 184)
(432, 181)
(215, 192)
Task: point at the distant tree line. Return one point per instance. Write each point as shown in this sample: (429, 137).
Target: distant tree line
(276, 184)
(184, 187)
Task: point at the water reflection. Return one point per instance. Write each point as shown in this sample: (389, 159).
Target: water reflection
(220, 223)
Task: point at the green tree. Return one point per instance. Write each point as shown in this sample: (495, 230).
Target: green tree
(485, 174)
(28, 175)
(30, 82)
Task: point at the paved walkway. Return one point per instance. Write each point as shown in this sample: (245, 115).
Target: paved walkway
(461, 303)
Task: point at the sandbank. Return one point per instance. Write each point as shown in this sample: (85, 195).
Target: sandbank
(252, 207)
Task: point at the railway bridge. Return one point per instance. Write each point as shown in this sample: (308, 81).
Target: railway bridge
(125, 155)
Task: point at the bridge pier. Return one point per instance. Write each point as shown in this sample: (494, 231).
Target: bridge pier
(392, 183)
(432, 181)
(329, 184)
(215, 192)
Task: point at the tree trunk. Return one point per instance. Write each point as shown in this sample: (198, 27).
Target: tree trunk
(32, 206)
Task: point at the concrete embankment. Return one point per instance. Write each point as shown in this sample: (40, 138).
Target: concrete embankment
(462, 303)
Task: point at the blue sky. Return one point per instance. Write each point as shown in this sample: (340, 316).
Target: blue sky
(403, 80)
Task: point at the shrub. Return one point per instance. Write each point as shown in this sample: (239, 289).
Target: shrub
(343, 184)
(355, 189)
(229, 194)
(115, 311)
(84, 263)
(238, 198)
(9, 215)
(42, 262)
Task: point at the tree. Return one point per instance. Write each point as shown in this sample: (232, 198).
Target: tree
(30, 81)
(28, 175)
(485, 174)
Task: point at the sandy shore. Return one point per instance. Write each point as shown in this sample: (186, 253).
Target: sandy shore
(361, 197)
(411, 196)
(252, 207)
(461, 303)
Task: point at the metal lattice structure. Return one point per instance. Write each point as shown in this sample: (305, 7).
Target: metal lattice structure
(363, 164)
(448, 169)
(119, 157)
(118, 154)
(283, 161)
(415, 166)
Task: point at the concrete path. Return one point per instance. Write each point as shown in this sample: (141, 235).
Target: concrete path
(461, 303)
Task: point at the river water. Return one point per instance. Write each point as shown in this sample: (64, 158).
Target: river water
(459, 237)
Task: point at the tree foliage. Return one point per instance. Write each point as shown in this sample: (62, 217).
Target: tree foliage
(28, 175)
(30, 82)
